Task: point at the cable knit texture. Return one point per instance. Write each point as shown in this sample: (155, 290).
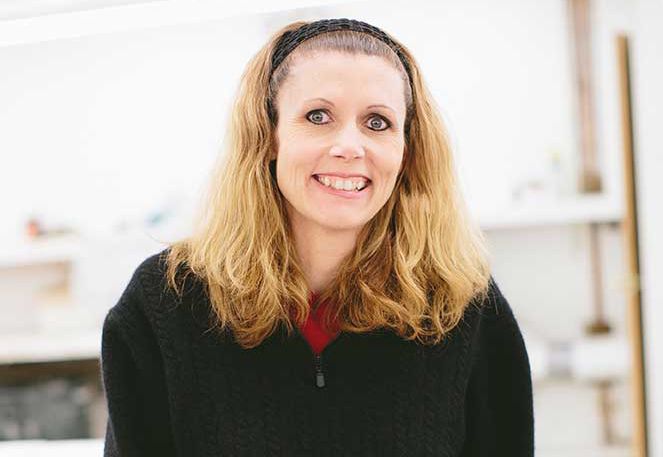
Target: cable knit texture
(174, 388)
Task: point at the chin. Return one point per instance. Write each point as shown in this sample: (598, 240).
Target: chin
(341, 224)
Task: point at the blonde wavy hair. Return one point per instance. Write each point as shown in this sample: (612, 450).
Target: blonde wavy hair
(417, 264)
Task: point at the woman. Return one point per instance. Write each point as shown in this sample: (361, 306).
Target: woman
(334, 299)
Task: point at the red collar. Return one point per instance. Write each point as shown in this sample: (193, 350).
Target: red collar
(312, 329)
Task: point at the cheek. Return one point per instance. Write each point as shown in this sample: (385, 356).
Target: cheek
(294, 165)
(390, 167)
(393, 158)
(392, 146)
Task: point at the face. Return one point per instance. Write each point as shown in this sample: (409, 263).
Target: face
(340, 119)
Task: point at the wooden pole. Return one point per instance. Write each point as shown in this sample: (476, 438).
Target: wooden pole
(634, 310)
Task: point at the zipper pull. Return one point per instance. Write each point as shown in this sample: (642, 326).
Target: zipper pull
(319, 375)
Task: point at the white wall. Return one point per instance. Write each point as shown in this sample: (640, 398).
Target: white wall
(103, 127)
(134, 117)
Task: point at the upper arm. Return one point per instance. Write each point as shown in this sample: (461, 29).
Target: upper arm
(499, 402)
(134, 383)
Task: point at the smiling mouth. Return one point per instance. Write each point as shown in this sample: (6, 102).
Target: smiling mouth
(354, 190)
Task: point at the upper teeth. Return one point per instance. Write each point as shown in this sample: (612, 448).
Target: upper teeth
(344, 184)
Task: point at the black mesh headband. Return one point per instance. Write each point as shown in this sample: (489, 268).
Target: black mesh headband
(290, 40)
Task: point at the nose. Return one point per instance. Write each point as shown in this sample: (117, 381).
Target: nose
(348, 143)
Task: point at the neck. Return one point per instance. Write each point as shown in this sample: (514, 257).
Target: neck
(321, 251)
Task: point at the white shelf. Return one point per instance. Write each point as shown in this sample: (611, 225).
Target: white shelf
(581, 209)
(50, 347)
(569, 451)
(39, 251)
(576, 210)
(46, 26)
(587, 359)
(52, 448)
(69, 248)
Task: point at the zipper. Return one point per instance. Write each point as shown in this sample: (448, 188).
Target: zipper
(317, 358)
(319, 374)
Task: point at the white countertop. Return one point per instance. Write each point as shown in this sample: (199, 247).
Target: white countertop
(52, 448)
(50, 347)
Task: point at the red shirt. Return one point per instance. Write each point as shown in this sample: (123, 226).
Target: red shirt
(312, 329)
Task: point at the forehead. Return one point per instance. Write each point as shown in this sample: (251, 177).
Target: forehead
(334, 74)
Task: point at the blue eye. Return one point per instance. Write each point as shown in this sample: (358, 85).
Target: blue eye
(376, 126)
(376, 122)
(316, 116)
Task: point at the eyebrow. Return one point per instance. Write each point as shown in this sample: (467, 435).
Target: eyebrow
(321, 99)
(382, 106)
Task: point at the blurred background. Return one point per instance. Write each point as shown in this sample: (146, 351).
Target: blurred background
(113, 111)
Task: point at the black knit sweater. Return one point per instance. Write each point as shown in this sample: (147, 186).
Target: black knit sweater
(174, 389)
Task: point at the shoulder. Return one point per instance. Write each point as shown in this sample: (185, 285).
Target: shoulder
(497, 333)
(495, 306)
(146, 299)
(486, 313)
(148, 275)
(490, 320)
(498, 396)
(488, 307)
(150, 319)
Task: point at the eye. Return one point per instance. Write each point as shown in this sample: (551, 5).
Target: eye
(316, 116)
(376, 122)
